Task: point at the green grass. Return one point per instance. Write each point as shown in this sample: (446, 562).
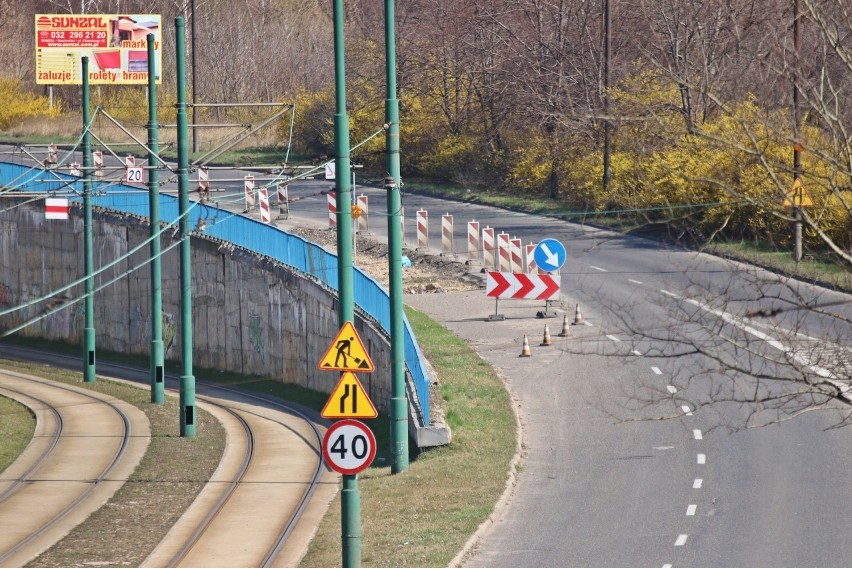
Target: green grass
(17, 425)
(423, 517)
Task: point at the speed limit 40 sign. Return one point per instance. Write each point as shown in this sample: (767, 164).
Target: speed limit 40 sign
(349, 447)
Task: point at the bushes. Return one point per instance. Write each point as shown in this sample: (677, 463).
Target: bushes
(17, 104)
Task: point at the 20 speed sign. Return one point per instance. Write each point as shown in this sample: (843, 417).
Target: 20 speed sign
(348, 447)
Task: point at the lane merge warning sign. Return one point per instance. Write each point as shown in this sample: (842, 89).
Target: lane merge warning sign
(349, 400)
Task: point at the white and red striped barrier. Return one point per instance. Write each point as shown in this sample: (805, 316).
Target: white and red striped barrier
(531, 267)
(363, 221)
(423, 229)
(332, 209)
(248, 186)
(504, 258)
(265, 215)
(508, 285)
(74, 169)
(488, 248)
(283, 201)
(130, 161)
(474, 242)
(447, 243)
(98, 162)
(55, 208)
(516, 259)
(203, 183)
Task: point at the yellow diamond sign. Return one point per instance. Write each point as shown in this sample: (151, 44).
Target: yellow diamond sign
(349, 400)
(347, 353)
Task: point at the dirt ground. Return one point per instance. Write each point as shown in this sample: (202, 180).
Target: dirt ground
(428, 273)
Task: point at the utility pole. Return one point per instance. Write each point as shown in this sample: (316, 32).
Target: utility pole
(351, 495)
(89, 262)
(187, 380)
(797, 133)
(393, 185)
(157, 351)
(607, 170)
(194, 83)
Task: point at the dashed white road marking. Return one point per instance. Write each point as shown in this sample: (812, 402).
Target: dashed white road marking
(664, 447)
(670, 294)
(598, 268)
(671, 389)
(702, 459)
(613, 338)
(636, 353)
(588, 323)
(667, 566)
(697, 483)
(690, 511)
(698, 435)
(686, 410)
(681, 540)
(634, 281)
(656, 370)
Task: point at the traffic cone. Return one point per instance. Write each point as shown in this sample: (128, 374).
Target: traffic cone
(578, 316)
(525, 352)
(566, 329)
(546, 341)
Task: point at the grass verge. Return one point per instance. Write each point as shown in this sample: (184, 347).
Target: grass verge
(423, 517)
(17, 425)
(167, 480)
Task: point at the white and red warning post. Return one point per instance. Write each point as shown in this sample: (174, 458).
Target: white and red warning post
(116, 45)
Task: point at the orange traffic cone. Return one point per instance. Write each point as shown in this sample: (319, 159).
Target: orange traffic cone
(578, 316)
(546, 341)
(525, 352)
(566, 329)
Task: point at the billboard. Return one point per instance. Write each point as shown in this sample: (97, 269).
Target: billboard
(116, 45)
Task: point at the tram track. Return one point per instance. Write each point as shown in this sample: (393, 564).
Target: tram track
(54, 487)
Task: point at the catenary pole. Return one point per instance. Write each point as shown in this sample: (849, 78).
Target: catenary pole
(796, 196)
(187, 380)
(89, 263)
(393, 185)
(157, 352)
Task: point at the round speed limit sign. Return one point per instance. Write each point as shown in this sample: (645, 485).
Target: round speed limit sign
(348, 447)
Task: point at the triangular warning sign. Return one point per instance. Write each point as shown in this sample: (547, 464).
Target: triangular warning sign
(347, 353)
(349, 400)
(798, 196)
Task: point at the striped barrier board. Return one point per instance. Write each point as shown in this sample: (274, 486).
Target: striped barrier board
(517, 261)
(265, 215)
(447, 247)
(423, 229)
(98, 162)
(332, 209)
(503, 256)
(248, 186)
(283, 201)
(203, 183)
(474, 242)
(531, 267)
(508, 285)
(488, 248)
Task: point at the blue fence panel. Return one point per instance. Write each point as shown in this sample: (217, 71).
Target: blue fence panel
(244, 232)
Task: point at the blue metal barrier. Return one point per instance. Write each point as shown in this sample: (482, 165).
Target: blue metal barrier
(291, 250)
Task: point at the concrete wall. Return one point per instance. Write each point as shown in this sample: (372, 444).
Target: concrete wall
(250, 315)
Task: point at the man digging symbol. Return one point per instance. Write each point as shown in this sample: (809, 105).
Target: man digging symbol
(344, 349)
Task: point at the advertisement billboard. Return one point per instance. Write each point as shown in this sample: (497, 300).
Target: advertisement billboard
(116, 45)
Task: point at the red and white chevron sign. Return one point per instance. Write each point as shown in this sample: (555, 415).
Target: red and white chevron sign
(521, 286)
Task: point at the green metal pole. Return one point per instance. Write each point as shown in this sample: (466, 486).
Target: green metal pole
(89, 330)
(351, 496)
(157, 353)
(398, 406)
(187, 380)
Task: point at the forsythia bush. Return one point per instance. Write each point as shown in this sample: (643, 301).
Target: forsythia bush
(17, 104)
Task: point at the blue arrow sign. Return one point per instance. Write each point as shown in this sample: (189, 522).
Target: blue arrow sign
(549, 255)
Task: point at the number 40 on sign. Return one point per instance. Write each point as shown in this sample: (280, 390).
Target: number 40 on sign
(349, 447)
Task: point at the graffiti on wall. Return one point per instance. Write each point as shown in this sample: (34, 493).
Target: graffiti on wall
(256, 334)
(169, 332)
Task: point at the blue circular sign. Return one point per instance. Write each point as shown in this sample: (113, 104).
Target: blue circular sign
(549, 255)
